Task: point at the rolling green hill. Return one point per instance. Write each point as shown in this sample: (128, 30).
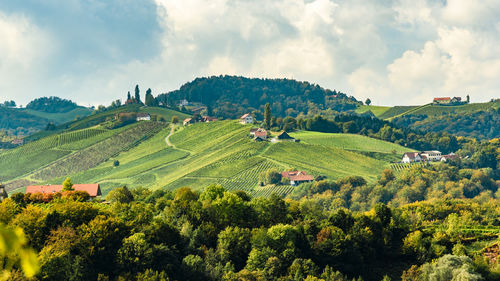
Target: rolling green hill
(59, 118)
(195, 156)
(385, 112)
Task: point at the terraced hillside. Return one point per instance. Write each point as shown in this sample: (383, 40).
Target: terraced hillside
(154, 155)
(371, 147)
(384, 112)
(222, 152)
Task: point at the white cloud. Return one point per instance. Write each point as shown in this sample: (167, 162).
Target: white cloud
(395, 52)
(23, 52)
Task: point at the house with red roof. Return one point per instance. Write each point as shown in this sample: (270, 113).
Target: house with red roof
(93, 190)
(443, 100)
(297, 177)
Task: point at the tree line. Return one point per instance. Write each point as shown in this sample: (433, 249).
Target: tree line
(220, 235)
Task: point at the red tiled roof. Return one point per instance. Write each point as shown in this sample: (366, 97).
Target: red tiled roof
(302, 178)
(297, 176)
(244, 116)
(260, 133)
(443, 99)
(92, 189)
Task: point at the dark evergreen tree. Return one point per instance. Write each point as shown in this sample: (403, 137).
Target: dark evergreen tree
(137, 94)
(149, 100)
(267, 115)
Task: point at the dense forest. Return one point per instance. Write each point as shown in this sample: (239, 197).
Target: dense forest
(338, 230)
(51, 105)
(232, 96)
(479, 124)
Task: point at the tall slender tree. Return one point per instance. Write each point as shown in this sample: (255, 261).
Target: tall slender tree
(267, 116)
(128, 97)
(149, 99)
(137, 94)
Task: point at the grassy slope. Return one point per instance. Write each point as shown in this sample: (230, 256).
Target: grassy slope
(221, 152)
(60, 118)
(375, 109)
(349, 142)
(428, 109)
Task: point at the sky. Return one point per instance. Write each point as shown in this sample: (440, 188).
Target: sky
(399, 52)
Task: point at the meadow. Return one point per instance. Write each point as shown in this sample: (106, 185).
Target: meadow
(350, 142)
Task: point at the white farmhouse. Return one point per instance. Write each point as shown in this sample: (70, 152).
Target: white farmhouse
(432, 155)
(246, 119)
(411, 157)
(143, 117)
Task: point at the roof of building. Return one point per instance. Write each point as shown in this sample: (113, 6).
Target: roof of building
(245, 116)
(284, 135)
(260, 133)
(431, 152)
(411, 155)
(143, 114)
(208, 118)
(187, 119)
(442, 99)
(92, 189)
(258, 139)
(18, 141)
(297, 176)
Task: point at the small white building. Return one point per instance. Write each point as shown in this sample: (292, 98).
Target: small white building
(411, 157)
(246, 119)
(183, 102)
(432, 155)
(143, 117)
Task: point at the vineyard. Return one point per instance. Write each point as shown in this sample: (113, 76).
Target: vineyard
(98, 153)
(350, 142)
(398, 167)
(35, 154)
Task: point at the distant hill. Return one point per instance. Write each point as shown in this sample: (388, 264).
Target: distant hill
(232, 96)
(38, 113)
(479, 120)
(51, 105)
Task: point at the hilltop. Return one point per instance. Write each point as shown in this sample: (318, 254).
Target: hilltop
(232, 96)
(38, 114)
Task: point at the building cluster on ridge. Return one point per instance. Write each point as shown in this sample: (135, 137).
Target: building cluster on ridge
(427, 156)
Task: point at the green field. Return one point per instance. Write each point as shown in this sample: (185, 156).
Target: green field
(375, 109)
(349, 142)
(59, 118)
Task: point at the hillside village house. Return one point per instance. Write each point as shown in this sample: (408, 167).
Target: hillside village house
(143, 116)
(183, 102)
(283, 136)
(93, 190)
(297, 177)
(411, 157)
(188, 121)
(18, 141)
(432, 155)
(445, 100)
(451, 156)
(246, 119)
(259, 132)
